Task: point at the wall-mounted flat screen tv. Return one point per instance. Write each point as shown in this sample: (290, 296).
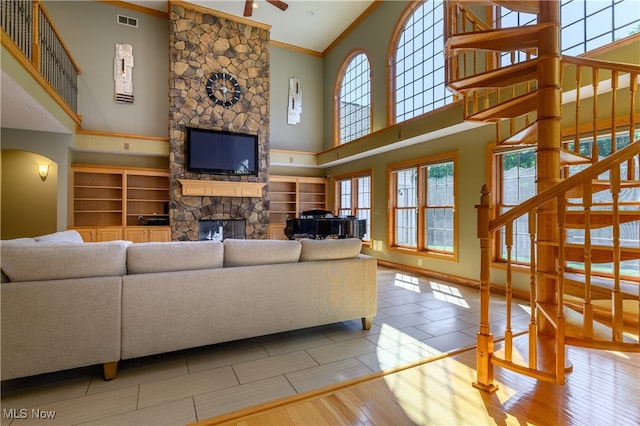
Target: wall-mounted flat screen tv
(221, 152)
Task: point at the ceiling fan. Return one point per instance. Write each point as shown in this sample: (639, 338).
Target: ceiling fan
(248, 6)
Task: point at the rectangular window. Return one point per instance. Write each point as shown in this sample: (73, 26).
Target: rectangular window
(438, 209)
(423, 211)
(353, 198)
(517, 183)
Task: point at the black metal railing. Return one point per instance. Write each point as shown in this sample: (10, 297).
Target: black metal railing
(27, 24)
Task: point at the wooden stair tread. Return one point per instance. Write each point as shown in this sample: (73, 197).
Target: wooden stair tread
(525, 6)
(574, 330)
(512, 108)
(526, 136)
(501, 40)
(599, 254)
(575, 219)
(570, 158)
(601, 185)
(602, 311)
(628, 289)
(501, 77)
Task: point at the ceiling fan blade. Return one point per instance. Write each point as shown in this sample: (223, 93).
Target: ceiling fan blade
(279, 4)
(248, 8)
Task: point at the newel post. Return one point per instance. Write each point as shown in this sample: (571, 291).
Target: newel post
(484, 368)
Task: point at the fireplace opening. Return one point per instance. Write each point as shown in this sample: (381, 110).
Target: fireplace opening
(220, 229)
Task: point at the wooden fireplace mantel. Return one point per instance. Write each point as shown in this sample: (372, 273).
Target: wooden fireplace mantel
(214, 188)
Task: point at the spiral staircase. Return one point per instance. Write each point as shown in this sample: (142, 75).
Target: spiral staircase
(518, 79)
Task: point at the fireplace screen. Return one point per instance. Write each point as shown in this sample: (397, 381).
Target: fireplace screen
(219, 229)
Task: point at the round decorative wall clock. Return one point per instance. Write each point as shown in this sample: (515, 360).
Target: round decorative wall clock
(223, 89)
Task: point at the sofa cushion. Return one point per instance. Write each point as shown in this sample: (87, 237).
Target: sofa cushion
(71, 236)
(329, 249)
(172, 256)
(17, 241)
(260, 252)
(58, 261)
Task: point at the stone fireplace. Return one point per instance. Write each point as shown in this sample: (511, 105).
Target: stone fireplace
(220, 230)
(200, 44)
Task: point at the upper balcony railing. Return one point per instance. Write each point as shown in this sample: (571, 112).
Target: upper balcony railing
(27, 30)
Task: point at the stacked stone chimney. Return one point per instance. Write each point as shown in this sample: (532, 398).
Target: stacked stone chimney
(199, 45)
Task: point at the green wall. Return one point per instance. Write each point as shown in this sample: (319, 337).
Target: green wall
(307, 135)
(90, 31)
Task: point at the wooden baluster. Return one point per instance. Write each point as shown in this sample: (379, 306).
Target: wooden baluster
(560, 337)
(617, 300)
(587, 202)
(512, 120)
(35, 47)
(614, 100)
(576, 138)
(533, 341)
(529, 88)
(474, 108)
(633, 88)
(508, 333)
(594, 141)
(465, 105)
(484, 367)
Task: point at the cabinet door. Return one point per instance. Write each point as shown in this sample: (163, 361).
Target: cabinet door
(135, 234)
(88, 234)
(108, 234)
(276, 231)
(145, 234)
(159, 234)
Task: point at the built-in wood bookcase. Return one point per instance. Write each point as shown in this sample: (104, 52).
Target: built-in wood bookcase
(147, 195)
(97, 197)
(289, 196)
(107, 200)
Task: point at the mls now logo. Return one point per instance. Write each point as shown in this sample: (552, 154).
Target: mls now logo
(23, 413)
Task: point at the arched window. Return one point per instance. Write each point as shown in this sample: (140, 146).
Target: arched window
(354, 98)
(419, 84)
(586, 25)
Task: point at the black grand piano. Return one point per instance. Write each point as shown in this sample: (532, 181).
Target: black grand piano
(320, 224)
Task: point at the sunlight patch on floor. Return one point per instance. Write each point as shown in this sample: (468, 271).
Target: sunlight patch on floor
(407, 282)
(448, 294)
(402, 348)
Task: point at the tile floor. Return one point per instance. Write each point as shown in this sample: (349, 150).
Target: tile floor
(417, 317)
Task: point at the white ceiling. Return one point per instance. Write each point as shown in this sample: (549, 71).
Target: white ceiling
(310, 24)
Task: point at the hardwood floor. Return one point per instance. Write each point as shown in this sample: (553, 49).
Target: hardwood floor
(603, 389)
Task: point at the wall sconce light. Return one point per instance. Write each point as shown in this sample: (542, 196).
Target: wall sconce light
(43, 171)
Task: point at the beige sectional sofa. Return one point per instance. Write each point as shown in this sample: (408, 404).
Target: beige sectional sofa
(71, 304)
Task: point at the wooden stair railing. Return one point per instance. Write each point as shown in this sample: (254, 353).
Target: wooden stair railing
(520, 97)
(580, 328)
